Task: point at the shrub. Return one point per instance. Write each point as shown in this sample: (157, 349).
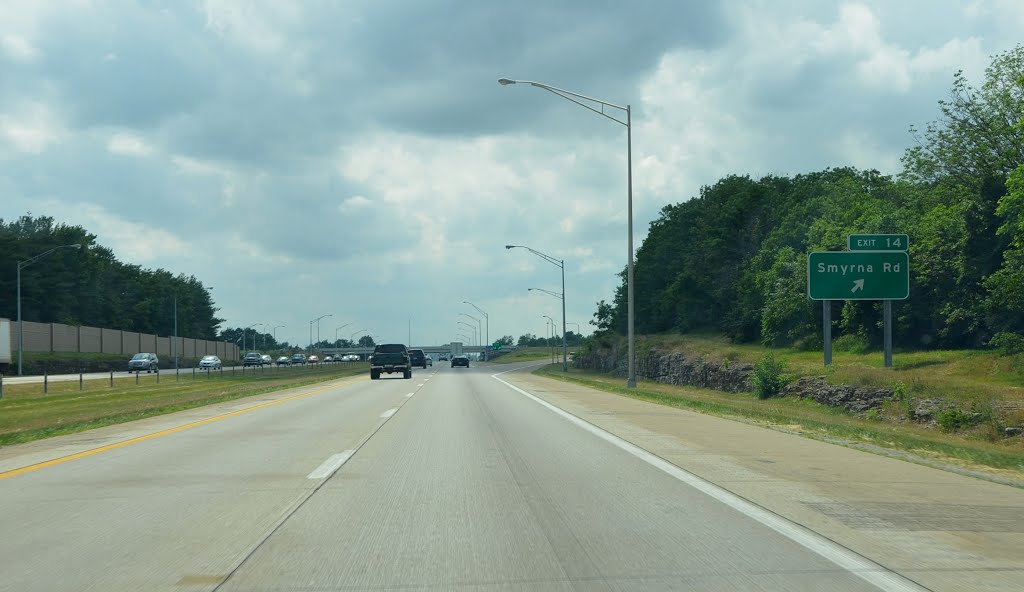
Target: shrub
(768, 376)
(852, 343)
(953, 419)
(1007, 343)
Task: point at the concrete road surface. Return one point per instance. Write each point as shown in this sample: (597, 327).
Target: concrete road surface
(453, 480)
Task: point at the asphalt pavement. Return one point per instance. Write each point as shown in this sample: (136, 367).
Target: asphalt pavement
(453, 480)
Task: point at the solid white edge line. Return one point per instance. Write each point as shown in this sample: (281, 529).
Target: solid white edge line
(389, 413)
(409, 395)
(847, 559)
(331, 465)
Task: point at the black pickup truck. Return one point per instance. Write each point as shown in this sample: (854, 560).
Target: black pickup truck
(390, 357)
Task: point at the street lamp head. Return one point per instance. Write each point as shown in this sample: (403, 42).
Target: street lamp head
(510, 246)
(505, 81)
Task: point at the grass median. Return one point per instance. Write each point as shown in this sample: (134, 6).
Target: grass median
(27, 413)
(1000, 461)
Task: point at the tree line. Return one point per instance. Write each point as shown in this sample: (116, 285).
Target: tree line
(89, 286)
(734, 259)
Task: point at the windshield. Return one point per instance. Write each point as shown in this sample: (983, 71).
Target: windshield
(209, 358)
(389, 348)
(140, 357)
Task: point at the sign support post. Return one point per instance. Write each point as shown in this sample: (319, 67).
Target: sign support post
(887, 338)
(826, 323)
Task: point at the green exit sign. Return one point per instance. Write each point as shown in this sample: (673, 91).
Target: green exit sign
(878, 242)
(858, 275)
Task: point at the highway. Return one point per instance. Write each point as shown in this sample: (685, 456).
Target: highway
(458, 479)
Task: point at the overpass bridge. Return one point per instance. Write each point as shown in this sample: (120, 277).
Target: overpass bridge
(446, 349)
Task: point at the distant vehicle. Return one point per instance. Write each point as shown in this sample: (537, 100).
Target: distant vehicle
(299, 359)
(460, 361)
(350, 358)
(430, 361)
(144, 361)
(267, 360)
(418, 358)
(284, 361)
(211, 362)
(313, 360)
(252, 359)
(328, 359)
(390, 357)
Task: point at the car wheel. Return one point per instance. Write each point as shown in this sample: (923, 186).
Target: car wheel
(408, 374)
(374, 374)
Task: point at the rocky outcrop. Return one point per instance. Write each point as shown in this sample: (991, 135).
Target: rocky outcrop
(679, 369)
(852, 398)
(673, 368)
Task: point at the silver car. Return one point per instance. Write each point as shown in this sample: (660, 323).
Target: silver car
(211, 362)
(144, 361)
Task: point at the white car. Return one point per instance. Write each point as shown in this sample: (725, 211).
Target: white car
(211, 362)
(266, 360)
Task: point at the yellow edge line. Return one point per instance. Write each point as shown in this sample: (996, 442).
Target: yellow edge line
(174, 430)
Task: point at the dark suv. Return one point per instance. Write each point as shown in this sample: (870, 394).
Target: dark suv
(252, 359)
(418, 358)
(390, 358)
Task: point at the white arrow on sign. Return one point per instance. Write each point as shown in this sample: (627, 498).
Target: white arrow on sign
(857, 285)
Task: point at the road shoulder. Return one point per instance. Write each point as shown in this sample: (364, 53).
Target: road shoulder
(943, 530)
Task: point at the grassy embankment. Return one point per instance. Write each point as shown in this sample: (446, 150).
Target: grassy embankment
(26, 413)
(978, 380)
(527, 354)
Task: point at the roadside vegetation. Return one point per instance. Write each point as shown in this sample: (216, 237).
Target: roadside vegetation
(732, 260)
(26, 413)
(971, 450)
(526, 354)
(722, 276)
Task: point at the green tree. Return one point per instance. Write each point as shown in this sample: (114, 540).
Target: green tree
(978, 137)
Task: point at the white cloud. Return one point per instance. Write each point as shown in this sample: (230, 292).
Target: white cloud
(128, 144)
(132, 241)
(31, 128)
(18, 48)
(354, 205)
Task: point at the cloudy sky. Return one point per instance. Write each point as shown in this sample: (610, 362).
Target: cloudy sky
(357, 157)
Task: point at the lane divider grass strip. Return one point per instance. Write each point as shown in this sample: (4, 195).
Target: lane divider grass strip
(166, 432)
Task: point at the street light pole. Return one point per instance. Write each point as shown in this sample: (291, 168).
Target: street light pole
(339, 329)
(561, 265)
(353, 336)
(244, 331)
(582, 101)
(552, 335)
(487, 320)
(26, 263)
(317, 321)
(471, 328)
(276, 327)
(478, 325)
